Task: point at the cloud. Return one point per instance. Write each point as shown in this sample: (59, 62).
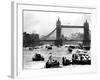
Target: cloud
(30, 21)
(44, 22)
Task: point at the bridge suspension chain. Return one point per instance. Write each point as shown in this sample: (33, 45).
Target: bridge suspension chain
(45, 37)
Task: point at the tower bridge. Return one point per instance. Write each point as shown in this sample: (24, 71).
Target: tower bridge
(59, 41)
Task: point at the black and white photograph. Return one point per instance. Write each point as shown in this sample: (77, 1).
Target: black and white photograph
(54, 39)
(50, 40)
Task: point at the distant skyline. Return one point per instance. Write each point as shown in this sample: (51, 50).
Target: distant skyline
(44, 22)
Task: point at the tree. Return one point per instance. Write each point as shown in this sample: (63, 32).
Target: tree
(30, 40)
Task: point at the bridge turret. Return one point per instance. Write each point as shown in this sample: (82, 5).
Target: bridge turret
(86, 25)
(58, 23)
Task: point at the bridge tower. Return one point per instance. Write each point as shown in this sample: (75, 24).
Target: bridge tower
(86, 38)
(58, 29)
(58, 41)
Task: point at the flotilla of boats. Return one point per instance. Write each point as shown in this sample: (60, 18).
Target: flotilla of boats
(79, 56)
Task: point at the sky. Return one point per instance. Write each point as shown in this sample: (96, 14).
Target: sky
(45, 22)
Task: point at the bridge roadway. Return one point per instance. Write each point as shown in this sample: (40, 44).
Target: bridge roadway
(55, 40)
